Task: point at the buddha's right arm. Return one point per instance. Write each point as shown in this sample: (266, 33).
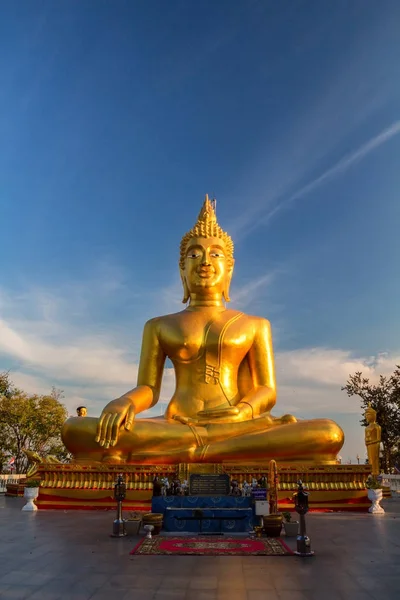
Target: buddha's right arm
(151, 366)
(122, 411)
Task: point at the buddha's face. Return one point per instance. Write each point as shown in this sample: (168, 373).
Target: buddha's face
(208, 268)
(370, 416)
(81, 411)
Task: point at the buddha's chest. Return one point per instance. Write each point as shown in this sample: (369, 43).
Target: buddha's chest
(371, 433)
(192, 337)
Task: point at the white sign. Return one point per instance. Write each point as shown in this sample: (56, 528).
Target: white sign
(262, 508)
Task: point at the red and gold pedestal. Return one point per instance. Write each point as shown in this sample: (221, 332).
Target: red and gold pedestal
(75, 486)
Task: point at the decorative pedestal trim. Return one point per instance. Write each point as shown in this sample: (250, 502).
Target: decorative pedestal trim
(78, 486)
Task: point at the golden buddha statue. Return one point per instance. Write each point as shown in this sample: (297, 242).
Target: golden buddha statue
(225, 381)
(373, 434)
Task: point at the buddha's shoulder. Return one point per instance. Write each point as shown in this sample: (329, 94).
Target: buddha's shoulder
(157, 323)
(257, 322)
(160, 322)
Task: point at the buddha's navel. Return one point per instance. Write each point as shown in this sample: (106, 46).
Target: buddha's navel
(185, 354)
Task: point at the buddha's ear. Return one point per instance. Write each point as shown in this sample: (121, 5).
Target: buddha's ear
(228, 279)
(186, 293)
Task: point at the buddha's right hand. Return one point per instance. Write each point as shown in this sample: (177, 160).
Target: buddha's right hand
(113, 416)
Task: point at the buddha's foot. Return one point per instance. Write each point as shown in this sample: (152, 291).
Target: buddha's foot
(284, 419)
(112, 459)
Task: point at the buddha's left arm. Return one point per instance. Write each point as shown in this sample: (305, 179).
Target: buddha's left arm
(262, 397)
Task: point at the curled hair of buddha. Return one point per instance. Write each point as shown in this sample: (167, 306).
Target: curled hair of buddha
(205, 226)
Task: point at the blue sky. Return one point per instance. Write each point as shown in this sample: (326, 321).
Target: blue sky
(117, 117)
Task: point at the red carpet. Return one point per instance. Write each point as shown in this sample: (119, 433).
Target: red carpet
(212, 546)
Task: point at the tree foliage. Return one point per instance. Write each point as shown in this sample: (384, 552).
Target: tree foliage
(29, 422)
(384, 397)
(6, 386)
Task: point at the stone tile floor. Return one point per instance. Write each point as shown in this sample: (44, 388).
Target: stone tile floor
(51, 555)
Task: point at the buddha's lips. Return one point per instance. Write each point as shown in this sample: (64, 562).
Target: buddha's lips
(206, 272)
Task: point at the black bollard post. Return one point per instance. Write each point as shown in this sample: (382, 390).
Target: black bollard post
(301, 506)
(119, 495)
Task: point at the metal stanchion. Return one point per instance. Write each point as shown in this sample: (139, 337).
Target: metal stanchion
(301, 506)
(119, 495)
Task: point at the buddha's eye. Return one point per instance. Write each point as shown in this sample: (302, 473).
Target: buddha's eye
(194, 255)
(217, 255)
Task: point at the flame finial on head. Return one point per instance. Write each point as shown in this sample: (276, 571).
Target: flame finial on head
(205, 226)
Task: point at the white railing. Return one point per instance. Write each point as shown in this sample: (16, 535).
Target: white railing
(6, 479)
(392, 481)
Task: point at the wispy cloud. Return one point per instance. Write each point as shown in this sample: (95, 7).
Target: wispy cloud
(86, 358)
(55, 336)
(280, 199)
(330, 367)
(340, 167)
(283, 164)
(247, 292)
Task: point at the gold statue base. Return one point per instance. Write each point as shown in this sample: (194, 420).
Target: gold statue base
(78, 486)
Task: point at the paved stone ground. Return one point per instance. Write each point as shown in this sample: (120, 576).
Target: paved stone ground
(55, 555)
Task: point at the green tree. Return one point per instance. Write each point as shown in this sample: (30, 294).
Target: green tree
(6, 389)
(30, 422)
(6, 386)
(384, 397)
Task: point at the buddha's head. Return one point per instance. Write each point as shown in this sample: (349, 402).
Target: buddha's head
(206, 258)
(81, 411)
(370, 414)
